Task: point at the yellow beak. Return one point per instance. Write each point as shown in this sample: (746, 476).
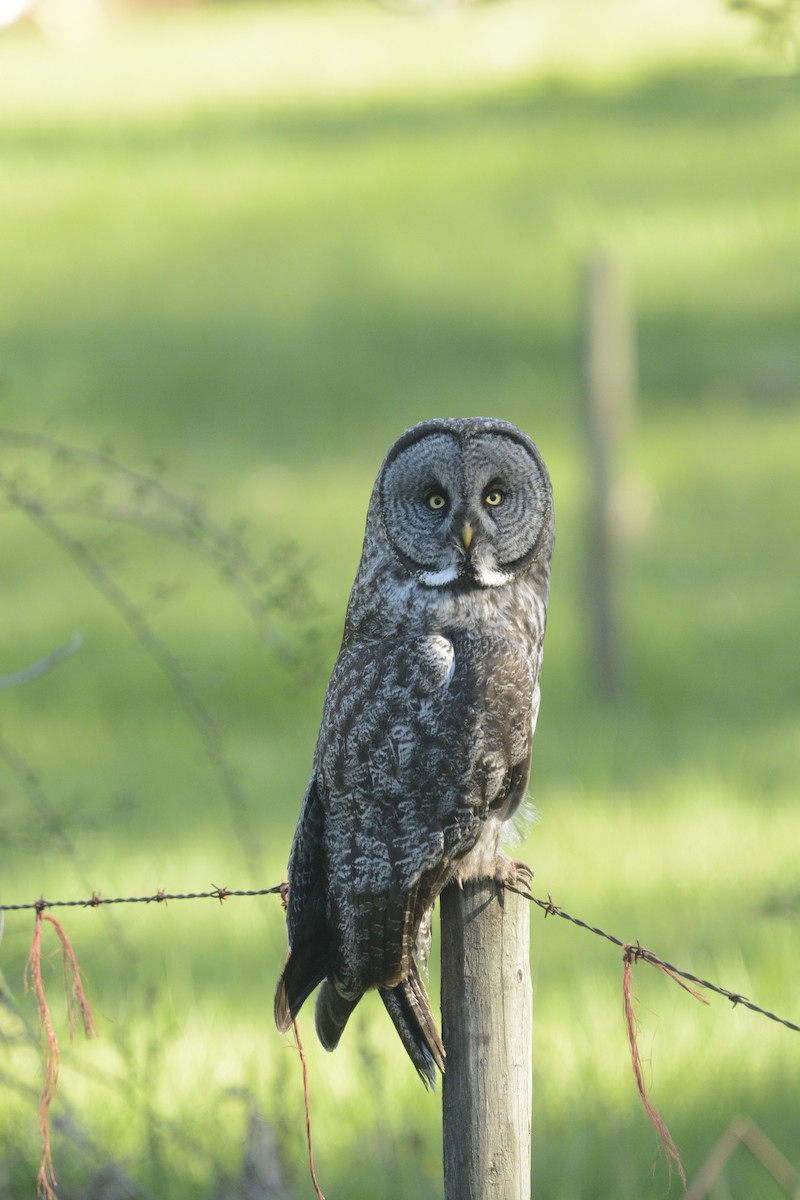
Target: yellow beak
(466, 535)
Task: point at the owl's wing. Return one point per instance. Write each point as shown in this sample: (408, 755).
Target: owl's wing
(511, 706)
(309, 948)
(513, 788)
(421, 742)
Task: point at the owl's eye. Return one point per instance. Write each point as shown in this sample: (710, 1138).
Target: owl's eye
(493, 497)
(436, 501)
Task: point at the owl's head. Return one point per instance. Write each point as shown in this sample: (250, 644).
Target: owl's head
(465, 502)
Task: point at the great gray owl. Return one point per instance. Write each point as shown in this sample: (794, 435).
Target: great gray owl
(425, 744)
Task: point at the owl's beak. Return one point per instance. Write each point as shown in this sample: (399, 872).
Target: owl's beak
(466, 535)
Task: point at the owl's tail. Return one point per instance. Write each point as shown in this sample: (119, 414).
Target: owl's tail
(307, 965)
(332, 1014)
(410, 1009)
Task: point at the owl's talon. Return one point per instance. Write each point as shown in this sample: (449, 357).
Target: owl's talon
(510, 873)
(521, 877)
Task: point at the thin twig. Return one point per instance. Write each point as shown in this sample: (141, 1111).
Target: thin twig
(44, 807)
(44, 665)
(143, 632)
(187, 523)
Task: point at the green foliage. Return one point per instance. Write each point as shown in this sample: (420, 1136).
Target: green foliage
(777, 21)
(254, 245)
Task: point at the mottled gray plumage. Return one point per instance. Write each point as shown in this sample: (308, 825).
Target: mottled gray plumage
(425, 743)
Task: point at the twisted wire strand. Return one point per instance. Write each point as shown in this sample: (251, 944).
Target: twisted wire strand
(633, 951)
(160, 897)
(638, 953)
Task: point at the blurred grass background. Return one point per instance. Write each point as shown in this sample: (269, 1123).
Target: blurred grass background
(242, 249)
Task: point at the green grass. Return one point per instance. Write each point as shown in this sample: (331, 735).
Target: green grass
(252, 245)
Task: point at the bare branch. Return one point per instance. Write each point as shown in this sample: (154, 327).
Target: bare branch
(145, 501)
(143, 632)
(44, 665)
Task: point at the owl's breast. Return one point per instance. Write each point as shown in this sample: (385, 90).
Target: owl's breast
(385, 720)
(438, 719)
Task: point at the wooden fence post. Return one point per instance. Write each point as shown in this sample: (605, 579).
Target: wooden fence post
(609, 382)
(487, 1029)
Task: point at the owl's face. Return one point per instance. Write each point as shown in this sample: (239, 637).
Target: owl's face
(465, 502)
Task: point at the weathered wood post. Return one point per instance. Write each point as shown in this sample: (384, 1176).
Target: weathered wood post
(609, 381)
(487, 1028)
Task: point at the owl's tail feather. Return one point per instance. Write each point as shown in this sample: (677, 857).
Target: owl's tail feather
(410, 1009)
(306, 966)
(332, 1014)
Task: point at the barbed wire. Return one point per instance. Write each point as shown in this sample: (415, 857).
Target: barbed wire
(634, 951)
(160, 897)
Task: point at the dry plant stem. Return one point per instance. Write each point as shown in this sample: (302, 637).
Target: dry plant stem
(186, 522)
(76, 1000)
(743, 1131)
(143, 632)
(43, 666)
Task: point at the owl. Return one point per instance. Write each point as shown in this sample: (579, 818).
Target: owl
(424, 747)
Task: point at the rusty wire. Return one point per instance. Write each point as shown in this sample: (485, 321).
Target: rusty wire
(160, 897)
(638, 952)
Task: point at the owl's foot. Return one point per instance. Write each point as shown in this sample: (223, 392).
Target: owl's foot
(518, 875)
(503, 870)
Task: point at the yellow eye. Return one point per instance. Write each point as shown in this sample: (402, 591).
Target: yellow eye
(493, 498)
(436, 501)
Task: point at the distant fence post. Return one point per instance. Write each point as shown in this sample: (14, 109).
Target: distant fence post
(487, 1029)
(609, 384)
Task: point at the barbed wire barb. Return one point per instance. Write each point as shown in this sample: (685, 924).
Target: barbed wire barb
(548, 906)
(632, 953)
(96, 900)
(644, 955)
